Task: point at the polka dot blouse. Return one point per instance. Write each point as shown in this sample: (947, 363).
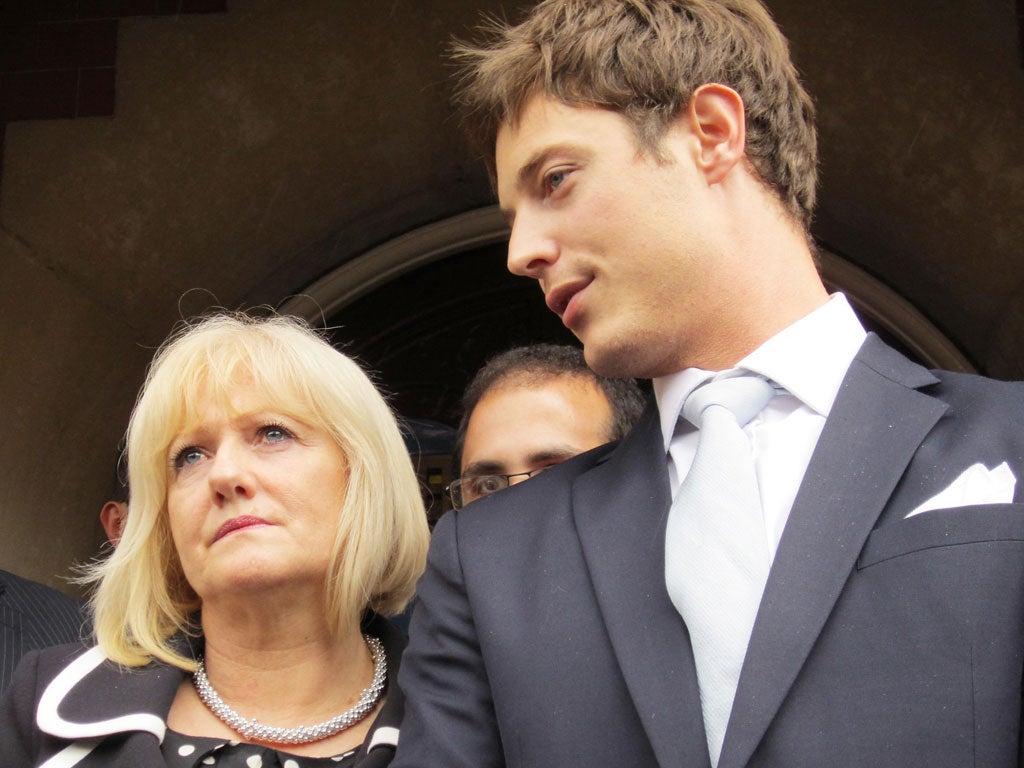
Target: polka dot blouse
(182, 751)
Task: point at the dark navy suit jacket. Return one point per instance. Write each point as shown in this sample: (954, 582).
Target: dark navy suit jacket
(33, 616)
(544, 635)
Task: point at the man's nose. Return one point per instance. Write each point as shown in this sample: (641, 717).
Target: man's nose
(531, 248)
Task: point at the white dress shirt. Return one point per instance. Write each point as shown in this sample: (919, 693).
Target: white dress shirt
(809, 360)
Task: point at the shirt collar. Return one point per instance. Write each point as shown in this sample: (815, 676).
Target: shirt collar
(809, 359)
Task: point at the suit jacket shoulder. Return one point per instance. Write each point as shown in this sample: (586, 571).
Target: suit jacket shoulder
(915, 622)
(539, 616)
(32, 616)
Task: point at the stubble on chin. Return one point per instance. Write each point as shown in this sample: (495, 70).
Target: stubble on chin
(637, 355)
(619, 360)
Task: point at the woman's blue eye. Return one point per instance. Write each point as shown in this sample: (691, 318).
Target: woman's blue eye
(187, 456)
(274, 433)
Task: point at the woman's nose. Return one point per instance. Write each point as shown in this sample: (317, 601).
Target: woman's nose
(230, 473)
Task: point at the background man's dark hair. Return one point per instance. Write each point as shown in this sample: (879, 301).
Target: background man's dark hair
(535, 364)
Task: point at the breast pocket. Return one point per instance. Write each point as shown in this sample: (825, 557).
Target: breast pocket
(954, 527)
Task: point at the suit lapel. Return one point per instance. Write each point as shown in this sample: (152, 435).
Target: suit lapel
(876, 425)
(620, 507)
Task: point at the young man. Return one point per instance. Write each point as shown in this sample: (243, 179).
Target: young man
(656, 160)
(531, 408)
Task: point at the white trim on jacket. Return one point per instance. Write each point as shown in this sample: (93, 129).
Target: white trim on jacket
(87, 735)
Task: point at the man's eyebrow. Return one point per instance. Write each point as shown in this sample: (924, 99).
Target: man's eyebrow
(542, 156)
(523, 180)
(555, 453)
(483, 468)
(530, 167)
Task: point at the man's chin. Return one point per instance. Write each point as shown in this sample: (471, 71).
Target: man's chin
(612, 361)
(629, 358)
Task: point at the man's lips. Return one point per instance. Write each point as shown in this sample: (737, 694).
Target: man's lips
(558, 298)
(237, 523)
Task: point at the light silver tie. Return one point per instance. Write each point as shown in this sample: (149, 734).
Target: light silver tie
(716, 548)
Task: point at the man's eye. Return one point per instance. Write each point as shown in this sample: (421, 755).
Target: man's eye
(486, 484)
(553, 179)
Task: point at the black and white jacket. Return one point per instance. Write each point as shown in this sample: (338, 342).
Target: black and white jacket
(70, 706)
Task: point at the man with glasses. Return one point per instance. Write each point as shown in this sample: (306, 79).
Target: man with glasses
(531, 408)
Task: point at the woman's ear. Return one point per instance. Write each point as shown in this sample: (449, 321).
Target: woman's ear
(716, 116)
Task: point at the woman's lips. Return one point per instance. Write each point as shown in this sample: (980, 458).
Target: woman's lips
(237, 523)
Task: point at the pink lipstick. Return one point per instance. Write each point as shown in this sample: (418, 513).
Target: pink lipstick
(238, 523)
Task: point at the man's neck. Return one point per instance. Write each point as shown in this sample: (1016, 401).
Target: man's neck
(769, 281)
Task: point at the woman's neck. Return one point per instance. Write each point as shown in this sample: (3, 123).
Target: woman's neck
(284, 668)
(288, 656)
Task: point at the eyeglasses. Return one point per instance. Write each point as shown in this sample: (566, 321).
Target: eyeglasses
(473, 487)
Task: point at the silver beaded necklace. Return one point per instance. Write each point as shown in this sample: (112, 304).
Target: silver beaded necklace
(303, 734)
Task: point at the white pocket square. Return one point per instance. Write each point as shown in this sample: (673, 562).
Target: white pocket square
(976, 485)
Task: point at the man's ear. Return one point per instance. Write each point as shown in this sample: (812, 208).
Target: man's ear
(716, 117)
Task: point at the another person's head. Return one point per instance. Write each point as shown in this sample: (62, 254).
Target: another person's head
(644, 59)
(303, 441)
(533, 407)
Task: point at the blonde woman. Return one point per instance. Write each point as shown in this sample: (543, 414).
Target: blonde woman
(275, 517)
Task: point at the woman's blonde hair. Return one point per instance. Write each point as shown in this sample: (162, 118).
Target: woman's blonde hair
(143, 600)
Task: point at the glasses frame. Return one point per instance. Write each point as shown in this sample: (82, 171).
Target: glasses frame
(454, 488)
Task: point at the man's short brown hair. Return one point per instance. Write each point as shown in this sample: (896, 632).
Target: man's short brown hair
(644, 59)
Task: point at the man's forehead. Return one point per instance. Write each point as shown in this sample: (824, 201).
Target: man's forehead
(549, 127)
(541, 121)
(527, 400)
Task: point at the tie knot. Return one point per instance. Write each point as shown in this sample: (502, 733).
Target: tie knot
(743, 396)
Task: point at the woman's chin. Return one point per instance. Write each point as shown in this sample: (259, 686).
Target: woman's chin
(258, 577)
